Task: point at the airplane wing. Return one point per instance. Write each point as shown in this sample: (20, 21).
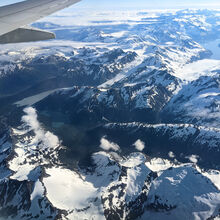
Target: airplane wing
(14, 17)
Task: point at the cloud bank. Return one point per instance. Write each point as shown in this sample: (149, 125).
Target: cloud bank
(139, 145)
(47, 139)
(171, 154)
(107, 145)
(193, 158)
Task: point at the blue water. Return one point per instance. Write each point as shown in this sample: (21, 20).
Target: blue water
(214, 47)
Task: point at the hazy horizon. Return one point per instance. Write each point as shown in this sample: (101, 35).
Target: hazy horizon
(138, 4)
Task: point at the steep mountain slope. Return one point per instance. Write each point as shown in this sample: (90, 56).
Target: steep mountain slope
(197, 102)
(35, 184)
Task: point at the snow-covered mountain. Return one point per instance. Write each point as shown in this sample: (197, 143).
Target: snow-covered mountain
(36, 184)
(75, 111)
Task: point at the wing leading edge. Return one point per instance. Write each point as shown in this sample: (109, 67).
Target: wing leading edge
(14, 17)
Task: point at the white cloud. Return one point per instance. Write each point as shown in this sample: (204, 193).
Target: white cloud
(193, 158)
(115, 156)
(171, 154)
(107, 145)
(48, 139)
(139, 145)
(30, 118)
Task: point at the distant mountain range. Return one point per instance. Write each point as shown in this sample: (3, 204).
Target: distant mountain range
(117, 119)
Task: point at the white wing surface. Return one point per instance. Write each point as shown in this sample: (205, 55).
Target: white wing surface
(15, 16)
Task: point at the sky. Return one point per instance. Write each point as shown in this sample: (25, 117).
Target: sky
(143, 4)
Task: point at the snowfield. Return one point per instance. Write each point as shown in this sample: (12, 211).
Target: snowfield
(67, 190)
